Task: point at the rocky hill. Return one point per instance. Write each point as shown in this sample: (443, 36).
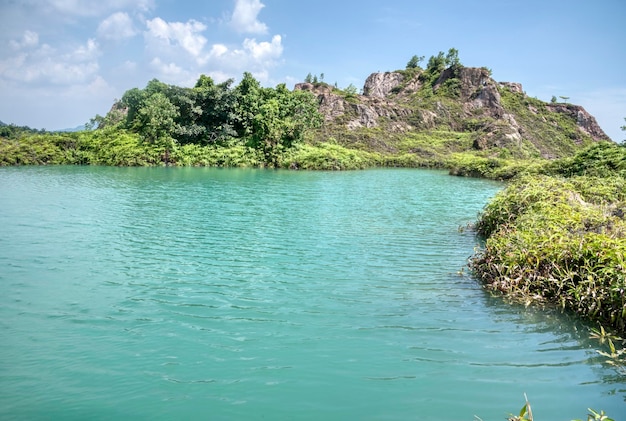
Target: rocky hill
(482, 115)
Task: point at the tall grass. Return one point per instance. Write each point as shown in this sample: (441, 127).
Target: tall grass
(558, 240)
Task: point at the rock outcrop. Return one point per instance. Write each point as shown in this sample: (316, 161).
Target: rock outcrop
(471, 100)
(357, 111)
(585, 121)
(380, 85)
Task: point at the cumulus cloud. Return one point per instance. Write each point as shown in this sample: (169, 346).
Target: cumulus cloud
(264, 51)
(218, 50)
(117, 27)
(186, 35)
(244, 18)
(252, 56)
(89, 51)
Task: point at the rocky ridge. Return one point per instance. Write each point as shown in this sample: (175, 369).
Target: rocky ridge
(462, 99)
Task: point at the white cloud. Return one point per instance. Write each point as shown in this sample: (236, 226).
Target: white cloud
(264, 51)
(218, 50)
(252, 56)
(186, 35)
(116, 27)
(219, 76)
(170, 70)
(29, 39)
(244, 18)
(85, 52)
(98, 87)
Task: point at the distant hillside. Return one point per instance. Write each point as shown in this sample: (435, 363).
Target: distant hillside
(73, 129)
(459, 109)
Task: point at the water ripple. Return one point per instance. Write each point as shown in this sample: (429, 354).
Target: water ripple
(194, 293)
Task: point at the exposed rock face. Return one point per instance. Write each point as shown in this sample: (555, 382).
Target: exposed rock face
(331, 105)
(475, 105)
(381, 84)
(478, 90)
(513, 87)
(585, 121)
(364, 112)
(117, 113)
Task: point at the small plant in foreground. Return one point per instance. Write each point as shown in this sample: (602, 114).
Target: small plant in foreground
(597, 416)
(616, 356)
(525, 414)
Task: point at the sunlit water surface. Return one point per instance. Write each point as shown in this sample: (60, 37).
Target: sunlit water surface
(163, 293)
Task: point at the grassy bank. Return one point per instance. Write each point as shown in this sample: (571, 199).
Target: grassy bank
(561, 238)
(122, 148)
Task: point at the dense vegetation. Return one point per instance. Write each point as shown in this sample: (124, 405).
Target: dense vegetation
(560, 237)
(209, 124)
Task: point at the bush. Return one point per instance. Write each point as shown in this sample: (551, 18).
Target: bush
(328, 156)
(601, 159)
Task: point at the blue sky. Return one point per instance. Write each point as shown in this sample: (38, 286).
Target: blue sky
(64, 61)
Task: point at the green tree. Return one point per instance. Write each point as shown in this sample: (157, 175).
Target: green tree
(414, 62)
(132, 101)
(268, 130)
(248, 103)
(155, 86)
(218, 104)
(282, 120)
(564, 98)
(436, 64)
(351, 90)
(553, 99)
(188, 126)
(156, 117)
(309, 78)
(204, 82)
(452, 59)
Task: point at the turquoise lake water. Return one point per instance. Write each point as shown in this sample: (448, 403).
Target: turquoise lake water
(193, 293)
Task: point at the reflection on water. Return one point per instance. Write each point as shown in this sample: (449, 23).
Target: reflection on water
(206, 293)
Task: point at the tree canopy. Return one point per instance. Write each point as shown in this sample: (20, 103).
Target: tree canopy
(268, 119)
